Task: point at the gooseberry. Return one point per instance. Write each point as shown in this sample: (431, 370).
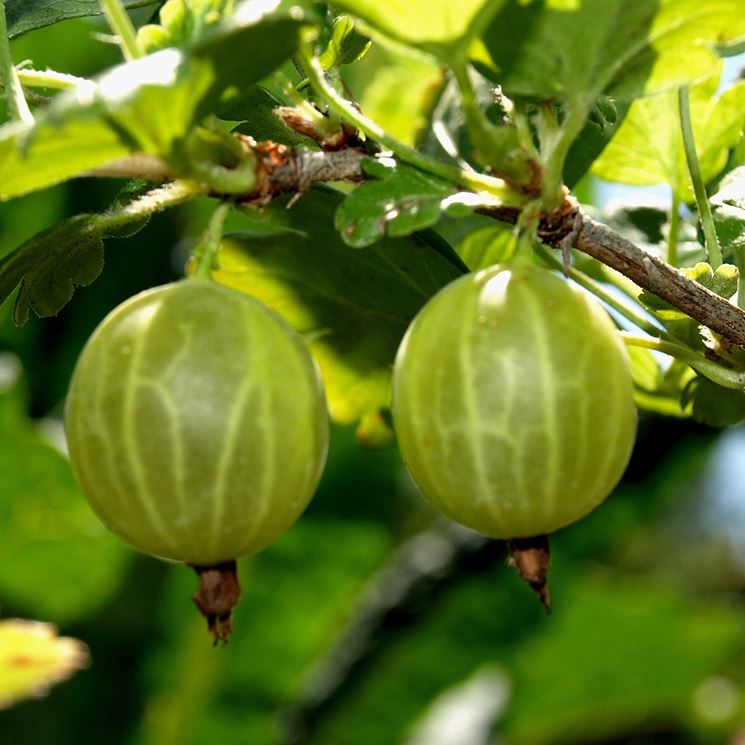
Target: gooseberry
(197, 427)
(513, 403)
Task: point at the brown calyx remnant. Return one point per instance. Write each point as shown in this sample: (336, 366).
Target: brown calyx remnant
(530, 558)
(216, 597)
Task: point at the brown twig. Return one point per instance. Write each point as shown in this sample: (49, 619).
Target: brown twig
(647, 271)
(283, 169)
(654, 275)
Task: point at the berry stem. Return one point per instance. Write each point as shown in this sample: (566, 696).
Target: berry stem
(17, 106)
(674, 229)
(204, 255)
(719, 374)
(122, 26)
(699, 189)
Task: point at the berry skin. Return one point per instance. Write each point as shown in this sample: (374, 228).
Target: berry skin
(196, 423)
(513, 402)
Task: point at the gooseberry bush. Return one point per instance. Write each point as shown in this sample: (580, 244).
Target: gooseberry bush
(413, 258)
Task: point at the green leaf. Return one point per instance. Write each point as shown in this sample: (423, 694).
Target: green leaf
(578, 49)
(401, 94)
(728, 206)
(594, 137)
(256, 109)
(648, 147)
(487, 246)
(484, 139)
(27, 15)
(33, 657)
(438, 26)
(657, 391)
(182, 23)
(51, 265)
(195, 685)
(270, 30)
(56, 559)
(717, 406)
(400, 201)
(346, 45)
(353, 306)
(147, 105)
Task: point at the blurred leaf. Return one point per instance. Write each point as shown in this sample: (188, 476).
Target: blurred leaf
(142, 105)
(401, 93)
(255, 109)
(488, 136)
(146, 105)
(27, 15)
(655, 390)
(598, 131)
(346, 45)
(487, 246)
(296, 597)
(648, 147)
(270, 30)
(643, 219)
(639, 653)
(575, 50)
(353, 306)
(728, 206)
(717, 406)
(400, 201)
(435, 25)
(469, 615)
(33, 657)
(375, 430)
(56, 559)
(182, 23)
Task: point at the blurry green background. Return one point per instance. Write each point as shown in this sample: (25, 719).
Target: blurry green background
(370, 622)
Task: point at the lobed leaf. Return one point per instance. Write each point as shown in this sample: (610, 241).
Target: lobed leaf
(50, 265)
(715, 405)
(648, 147)
(353, 306)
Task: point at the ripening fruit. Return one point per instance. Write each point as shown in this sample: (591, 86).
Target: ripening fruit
(513, 402)
(196, 423)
